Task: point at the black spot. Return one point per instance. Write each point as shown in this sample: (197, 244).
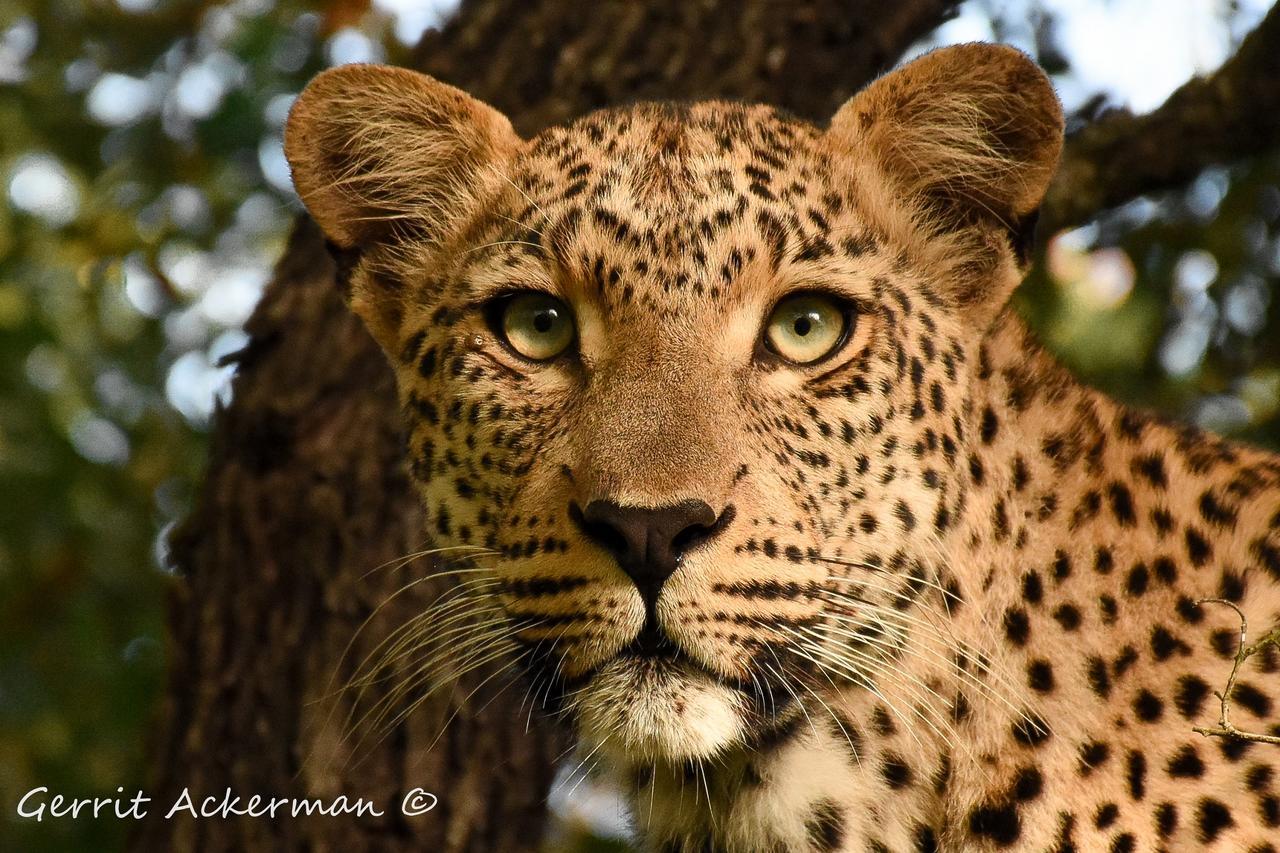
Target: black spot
(1150, 468)
(1269, 809)
(1122, 504)
(1031, 731)
(1061, 566)
(1211, 818)
(1162, 519)
(1093, 754)
(1099, 681)
(1252, 699)
(1066, 833)
(1068, 616)
(1186, 764)
(1232, 749)
(905, 516)
(1164, 644)
(1106, 815)
(1016, 626)
(1128, 657)
(1189, 611)
(926, 840)
(1215, 512)
(1198, 549)
(999, 822)
(1032, 588)
(990, 425)
(1028, 785)
(825, 826)
(1147, 706)
(882, 722)
(1231, 586)
(1137, 775)
(1040, 676)
(1166, 819)
(895, 771)
(1259, 778)
(1136, 583)
(1224, 642)
(1109, 609)
(1124, 843)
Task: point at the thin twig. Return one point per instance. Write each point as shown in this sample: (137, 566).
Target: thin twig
(1227, 729)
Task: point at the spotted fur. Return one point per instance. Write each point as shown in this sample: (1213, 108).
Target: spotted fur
(953, 607)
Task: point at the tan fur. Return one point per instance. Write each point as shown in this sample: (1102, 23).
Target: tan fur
(951, 571)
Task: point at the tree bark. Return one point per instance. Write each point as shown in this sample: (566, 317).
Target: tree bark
(305, 495)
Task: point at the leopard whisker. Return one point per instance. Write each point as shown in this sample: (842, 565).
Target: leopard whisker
(949, 663)
(860, 677)
(907, 680)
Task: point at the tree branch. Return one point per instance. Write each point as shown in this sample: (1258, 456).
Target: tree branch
(546, 63)
(1227, 729)
(1232, 114)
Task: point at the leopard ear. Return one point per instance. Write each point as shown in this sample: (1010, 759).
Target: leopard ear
(968, 137)
(379, 153)
(386, 156)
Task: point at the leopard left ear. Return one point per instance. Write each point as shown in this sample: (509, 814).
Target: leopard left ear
(384, 156)
(967, 139)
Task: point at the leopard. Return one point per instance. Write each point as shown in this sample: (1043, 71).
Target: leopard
(775, 502)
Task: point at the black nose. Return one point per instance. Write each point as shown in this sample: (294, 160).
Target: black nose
(648, 543)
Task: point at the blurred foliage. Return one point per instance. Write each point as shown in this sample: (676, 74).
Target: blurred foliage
(145, 201)
(145, 198)
(1169, 303)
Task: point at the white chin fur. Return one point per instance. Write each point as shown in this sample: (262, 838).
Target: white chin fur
(656, 710)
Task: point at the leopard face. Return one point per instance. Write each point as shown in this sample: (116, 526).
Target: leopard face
(692, 380)
(679, 496)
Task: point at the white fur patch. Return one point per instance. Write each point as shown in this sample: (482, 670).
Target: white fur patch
(658, 710)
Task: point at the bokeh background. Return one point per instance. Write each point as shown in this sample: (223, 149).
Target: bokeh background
(144, 197)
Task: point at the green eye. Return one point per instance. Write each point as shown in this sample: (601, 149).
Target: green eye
(535, 325)
(807, 328)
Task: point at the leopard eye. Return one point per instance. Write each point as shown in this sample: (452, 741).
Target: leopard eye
(536, 325)
(807, 328)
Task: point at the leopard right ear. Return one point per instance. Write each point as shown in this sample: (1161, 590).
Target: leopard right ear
(969, 137)
(383, 156)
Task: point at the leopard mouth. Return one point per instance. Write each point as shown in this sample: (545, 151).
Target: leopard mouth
(653, 644)
(657, 705)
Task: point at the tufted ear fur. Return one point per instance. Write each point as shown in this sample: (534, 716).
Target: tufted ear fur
(384, 155)
(969, 138)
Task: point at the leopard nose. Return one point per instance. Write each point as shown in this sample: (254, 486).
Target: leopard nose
(649, 543)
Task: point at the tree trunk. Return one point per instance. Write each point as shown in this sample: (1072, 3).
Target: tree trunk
(305, 497)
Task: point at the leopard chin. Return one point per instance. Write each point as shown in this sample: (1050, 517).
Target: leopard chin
(644, 709)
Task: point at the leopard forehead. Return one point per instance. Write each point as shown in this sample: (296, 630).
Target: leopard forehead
(658, 210)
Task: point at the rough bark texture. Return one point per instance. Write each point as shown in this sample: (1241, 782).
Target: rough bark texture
(305, 494)
(1231, 114)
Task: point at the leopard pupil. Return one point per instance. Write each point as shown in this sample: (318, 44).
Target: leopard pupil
(803, 326)
(542, 321)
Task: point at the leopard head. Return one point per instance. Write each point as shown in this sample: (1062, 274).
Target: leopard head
(690, 382)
